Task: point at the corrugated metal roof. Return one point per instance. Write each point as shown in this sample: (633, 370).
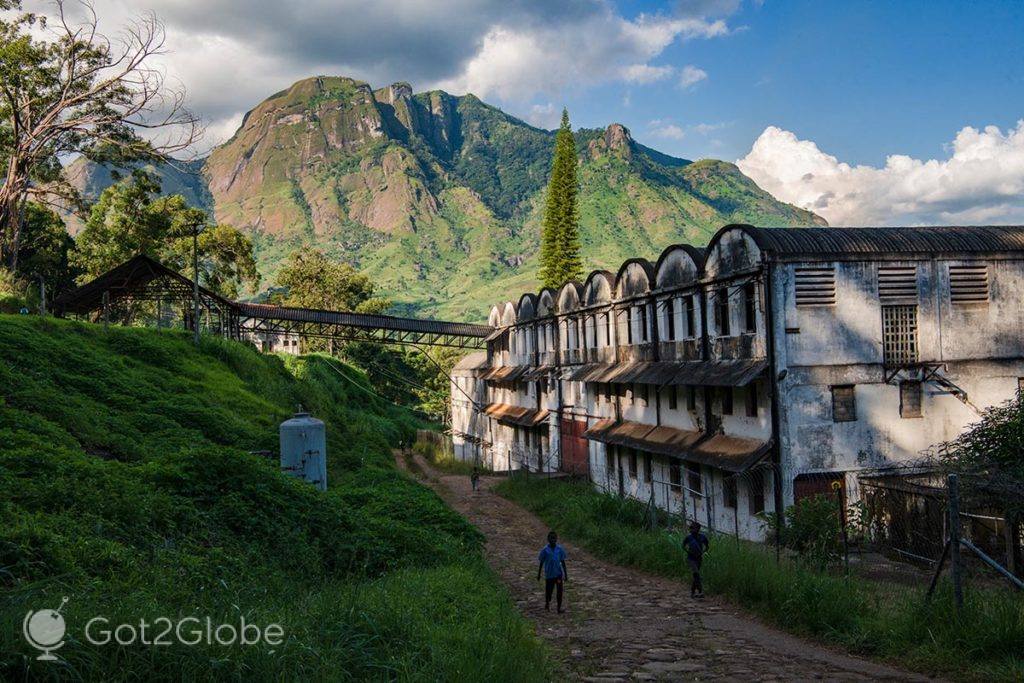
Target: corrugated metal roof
(134, 273)
(472, 361)
(718, 373)
(527, 418)
(730, 453)
(846, 242)
(361, 320)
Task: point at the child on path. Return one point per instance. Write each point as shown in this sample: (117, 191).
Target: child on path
(552, 562)
(696, 544)
(474, 479)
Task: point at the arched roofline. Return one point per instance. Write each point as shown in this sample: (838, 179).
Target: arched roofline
(696, 254)
(552, 295)
(644, 264)
(532, 298)
(571, 284)
(515, 312)
(606, 275)
(495, 315)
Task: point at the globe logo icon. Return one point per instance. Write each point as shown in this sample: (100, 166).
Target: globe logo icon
(44, 630)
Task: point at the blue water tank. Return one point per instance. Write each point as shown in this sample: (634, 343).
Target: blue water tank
(304, 449)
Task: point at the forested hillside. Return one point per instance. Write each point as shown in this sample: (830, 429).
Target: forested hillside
(438, 197)
(131, 482)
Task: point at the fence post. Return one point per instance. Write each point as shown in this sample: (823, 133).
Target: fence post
(953, 487)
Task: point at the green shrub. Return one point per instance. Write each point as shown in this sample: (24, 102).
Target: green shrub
(128, 485)
(812, 529)
(871, 618)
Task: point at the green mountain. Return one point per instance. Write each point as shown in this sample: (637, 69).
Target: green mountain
(438, 197)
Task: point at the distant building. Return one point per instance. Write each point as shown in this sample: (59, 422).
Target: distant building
(772, 365)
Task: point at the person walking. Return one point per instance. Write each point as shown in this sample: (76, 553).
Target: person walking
(696, 544)
(474, 479)
(552, 563)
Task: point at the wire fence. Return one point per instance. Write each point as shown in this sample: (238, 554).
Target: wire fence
(893, 524)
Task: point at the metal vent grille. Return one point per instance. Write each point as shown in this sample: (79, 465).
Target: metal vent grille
(899, 335)
(968, 283)
(815, 286)
(897, 284)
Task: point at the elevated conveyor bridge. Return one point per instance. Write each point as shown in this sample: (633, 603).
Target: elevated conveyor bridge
(142, 286)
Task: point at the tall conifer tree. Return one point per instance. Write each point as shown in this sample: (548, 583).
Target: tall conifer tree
(560, 236)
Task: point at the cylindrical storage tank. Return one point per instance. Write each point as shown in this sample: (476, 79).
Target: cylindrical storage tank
(304, 449)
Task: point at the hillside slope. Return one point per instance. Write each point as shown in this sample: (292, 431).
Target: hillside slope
(127, 485)
(438, 196)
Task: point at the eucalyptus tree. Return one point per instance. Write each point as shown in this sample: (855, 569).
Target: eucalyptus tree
(66, 89)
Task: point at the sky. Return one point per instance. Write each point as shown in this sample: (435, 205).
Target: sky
(868, 113)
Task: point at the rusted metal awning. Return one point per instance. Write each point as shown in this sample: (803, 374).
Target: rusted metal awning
(718, 373)
(517, 415)
(657, 373)
(730, 453)
(595, 430)
(588, 373)
(529, 418)
(506, 373)
(497, 333)
(673, 441)
(534, 374)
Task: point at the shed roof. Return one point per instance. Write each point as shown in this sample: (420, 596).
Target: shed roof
(946, 239)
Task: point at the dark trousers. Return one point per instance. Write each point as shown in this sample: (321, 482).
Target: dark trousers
(549, 586)
(695, 585)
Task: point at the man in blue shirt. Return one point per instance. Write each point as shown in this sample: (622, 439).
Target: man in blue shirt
(696, 544)
(552, 561)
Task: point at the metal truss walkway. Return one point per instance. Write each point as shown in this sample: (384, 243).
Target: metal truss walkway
(143, 286)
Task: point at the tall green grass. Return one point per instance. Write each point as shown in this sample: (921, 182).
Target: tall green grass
(442, 458)
(127, 484)
(895, 623)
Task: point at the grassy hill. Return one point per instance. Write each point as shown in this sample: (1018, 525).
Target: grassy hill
(439, 197)
(127, 485)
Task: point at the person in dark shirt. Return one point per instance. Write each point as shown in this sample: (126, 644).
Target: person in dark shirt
(552, 562)
(474, 479)
(696, 544)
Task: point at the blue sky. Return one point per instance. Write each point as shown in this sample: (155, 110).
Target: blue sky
(888, 112)
(862, 79)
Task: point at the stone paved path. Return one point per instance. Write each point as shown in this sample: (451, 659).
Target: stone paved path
(622, 624)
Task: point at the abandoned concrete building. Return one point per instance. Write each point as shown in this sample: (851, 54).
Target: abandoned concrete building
(766, 367)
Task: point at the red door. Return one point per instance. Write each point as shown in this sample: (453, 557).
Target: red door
(574, 447)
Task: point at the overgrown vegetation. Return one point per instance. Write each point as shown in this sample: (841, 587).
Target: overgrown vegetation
(442, 458)
(811, 529)
(128, 483)
(890, 622)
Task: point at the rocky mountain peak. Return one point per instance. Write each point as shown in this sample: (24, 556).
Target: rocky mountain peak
(616, 140)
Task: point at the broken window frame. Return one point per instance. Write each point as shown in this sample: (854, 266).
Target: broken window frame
(844, 394)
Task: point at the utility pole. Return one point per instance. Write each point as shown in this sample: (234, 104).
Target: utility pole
(195, 283)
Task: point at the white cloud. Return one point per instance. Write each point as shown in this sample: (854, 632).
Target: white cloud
(981, 182)
(518, 63)
(663, 128)
(644, 74)
(545, 115)
(691, 75)
(706, 128)
(231, 57)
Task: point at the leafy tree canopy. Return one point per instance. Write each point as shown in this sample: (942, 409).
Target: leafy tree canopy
(311, 280)
(67, 89)
(130, 218)
(989, 457)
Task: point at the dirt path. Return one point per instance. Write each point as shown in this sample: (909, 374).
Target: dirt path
(623, 624)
